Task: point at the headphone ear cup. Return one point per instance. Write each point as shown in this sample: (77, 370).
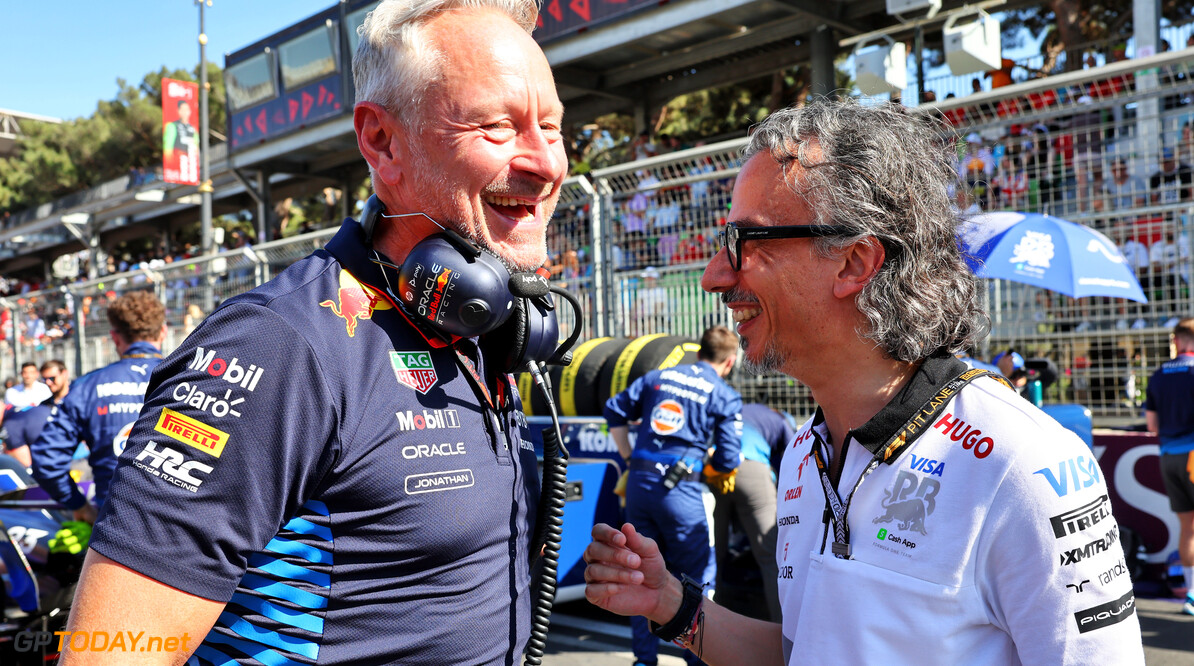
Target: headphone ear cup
(505, 347)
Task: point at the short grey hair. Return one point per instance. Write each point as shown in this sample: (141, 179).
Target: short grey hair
(394, 64)
(886, 172)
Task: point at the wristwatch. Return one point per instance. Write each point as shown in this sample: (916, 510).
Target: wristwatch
(691, 601)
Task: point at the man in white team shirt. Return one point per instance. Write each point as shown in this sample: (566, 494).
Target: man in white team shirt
(30, 392)
(927, 513)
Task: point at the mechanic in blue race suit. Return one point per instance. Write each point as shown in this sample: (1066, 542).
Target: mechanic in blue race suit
(1169, 412)
(683, 410)
(102, 406)
(316, 478)
(22, 426)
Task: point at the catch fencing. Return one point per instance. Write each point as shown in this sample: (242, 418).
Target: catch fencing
(631, 241)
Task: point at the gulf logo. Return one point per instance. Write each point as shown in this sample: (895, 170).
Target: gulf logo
(667, 418)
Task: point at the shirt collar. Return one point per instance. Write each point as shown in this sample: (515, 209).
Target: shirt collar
(932, 375)
(142, 349)
(349, 248)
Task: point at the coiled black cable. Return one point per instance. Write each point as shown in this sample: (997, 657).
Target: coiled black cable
(550, 524)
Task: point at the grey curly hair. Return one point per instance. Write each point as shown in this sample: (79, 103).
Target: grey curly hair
(886, 173)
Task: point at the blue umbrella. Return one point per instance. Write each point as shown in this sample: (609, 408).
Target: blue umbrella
(1048, 252)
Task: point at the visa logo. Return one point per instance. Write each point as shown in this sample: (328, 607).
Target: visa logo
(1072, 475)
(927, 466)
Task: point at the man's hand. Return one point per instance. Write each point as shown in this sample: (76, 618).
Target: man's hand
(720, 483)
(87, 513)
(626, 575)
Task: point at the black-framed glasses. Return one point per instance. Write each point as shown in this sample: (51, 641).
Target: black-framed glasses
(733, 236)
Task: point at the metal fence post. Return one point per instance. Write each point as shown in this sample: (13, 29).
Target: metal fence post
(80, 332)
(603, 270)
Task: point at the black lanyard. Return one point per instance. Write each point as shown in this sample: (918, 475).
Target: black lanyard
(489, 406)
(915, 427)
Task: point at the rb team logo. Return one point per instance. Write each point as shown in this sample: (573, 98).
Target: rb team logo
(667, 418)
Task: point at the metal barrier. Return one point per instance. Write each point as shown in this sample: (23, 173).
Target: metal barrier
(631, 241)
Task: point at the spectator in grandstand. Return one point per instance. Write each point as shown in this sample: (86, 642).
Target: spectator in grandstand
(975, 168)
(1003, 76)
(25, 425)
(1163, 256)
(898, 552)
(642, 147)
(1169, 415)
(1010, 184)
(640, 206)
(31, 391)
(1135, 256)
(1173, 182)
(102, 406)
(1124, 191)
(1087, 131)
(650, 305)
(303, 528)
(1185, 145)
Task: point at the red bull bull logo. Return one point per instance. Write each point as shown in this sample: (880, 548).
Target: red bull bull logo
(357, 301)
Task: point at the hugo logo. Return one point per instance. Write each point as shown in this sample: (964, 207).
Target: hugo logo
(970, 437)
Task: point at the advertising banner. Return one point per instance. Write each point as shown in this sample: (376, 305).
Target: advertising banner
(180, 132)
(560, 18)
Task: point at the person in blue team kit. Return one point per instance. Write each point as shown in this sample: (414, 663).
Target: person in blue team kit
(22, 427)
(752, 499)
(1169, 413)
(101, 406)
(682, 410)
(316, 478)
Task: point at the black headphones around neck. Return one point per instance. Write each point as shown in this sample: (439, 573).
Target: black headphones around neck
(452, 287)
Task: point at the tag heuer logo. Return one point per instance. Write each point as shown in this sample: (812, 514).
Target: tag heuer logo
(414, 369)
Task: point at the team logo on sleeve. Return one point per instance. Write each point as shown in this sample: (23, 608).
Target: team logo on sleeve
(414, 369)
(191, 432)
(170, 466)
(357, 301)
(122, 439)
(667, 418)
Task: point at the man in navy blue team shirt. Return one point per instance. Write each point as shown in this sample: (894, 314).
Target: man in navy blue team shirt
(1169, 412)
(314, 479)
(23, 426)
(101, 406)
(683, 410)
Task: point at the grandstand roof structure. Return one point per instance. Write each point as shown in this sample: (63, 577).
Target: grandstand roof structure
(10, 128)
(634, 59)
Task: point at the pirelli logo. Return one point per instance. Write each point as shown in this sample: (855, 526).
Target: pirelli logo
(191, 432)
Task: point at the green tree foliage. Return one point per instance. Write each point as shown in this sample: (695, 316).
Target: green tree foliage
(123, 133)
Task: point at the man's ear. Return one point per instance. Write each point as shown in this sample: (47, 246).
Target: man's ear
(380, 139)
(860, 262)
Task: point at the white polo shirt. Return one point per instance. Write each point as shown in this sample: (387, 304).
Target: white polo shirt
(988, 540)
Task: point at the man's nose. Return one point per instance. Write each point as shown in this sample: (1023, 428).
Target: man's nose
(719, 276)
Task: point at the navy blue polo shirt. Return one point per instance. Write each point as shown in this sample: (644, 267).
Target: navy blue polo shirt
(312, 459)
(99, 411)
(1171, 395)
(24, 425)
(683, 410)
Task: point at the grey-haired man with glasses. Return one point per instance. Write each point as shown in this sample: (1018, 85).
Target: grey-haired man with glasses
(925, 511)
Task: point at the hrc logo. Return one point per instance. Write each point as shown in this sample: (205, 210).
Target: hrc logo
(193, 433)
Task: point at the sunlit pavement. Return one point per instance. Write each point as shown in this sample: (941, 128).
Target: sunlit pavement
(580, 637)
